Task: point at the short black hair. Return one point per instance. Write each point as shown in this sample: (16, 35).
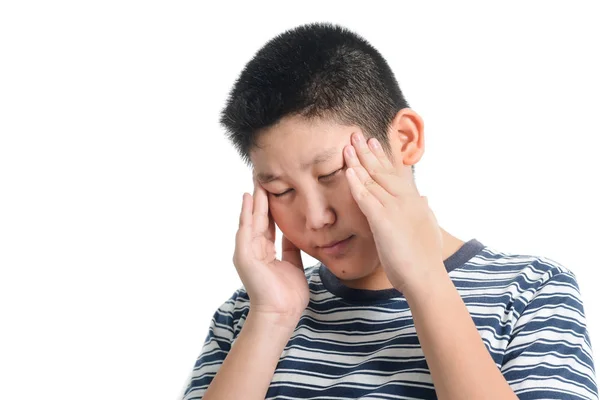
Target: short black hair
(315, 70)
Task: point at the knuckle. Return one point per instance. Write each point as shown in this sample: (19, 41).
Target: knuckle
(364, 150)
(376, 173)
(369, 182)
(371, 170)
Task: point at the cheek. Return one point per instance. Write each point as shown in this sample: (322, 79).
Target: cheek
(343, 193)
(284, 218)
(277, 211)
(350, 209)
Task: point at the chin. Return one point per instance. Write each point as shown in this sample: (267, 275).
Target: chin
(348, 270)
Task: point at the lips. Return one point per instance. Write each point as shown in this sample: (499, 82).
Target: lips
(331, 244)
(337, 249)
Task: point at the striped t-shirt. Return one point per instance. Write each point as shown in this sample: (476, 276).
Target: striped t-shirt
(352, 343)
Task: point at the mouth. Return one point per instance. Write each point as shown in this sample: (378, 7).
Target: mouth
(335, 248)
(331, 244)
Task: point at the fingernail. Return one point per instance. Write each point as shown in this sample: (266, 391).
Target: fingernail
(351, 152)
(375, 144)
(358, 139)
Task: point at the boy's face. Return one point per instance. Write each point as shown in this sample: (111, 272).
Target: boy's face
(302, 162)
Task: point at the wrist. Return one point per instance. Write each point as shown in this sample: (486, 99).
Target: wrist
(426, 284)
(273, 321)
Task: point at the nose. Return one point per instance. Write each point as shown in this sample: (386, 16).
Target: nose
(319, 212)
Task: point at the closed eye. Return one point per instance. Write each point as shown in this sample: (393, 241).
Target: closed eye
(281, 194)
(327, 177)
(331, 175)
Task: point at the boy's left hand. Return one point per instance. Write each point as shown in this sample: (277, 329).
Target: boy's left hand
(405, 230)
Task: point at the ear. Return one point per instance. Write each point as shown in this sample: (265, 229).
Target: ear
(406, 135)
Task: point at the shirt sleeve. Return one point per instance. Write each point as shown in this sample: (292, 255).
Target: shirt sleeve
(549, 355)
(223, 329)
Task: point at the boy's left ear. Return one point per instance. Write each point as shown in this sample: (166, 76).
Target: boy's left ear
(406, 135)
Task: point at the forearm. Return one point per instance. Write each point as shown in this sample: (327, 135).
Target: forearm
(247, 371)
(460, 364)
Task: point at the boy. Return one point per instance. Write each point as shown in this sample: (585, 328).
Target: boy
(398, 307)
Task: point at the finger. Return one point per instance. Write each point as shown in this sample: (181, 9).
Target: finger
(271, 230)
(402, 177)
(396, 182)
(367, 202)
(363, 176)
(246, 212)
(260, 210)
(379, 168)
(366, 157)
(244, 233)
(377, 150)
(291, 253)
(375, 161)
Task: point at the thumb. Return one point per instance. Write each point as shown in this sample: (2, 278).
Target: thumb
(291, 253)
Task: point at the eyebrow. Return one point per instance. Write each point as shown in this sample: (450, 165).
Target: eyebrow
(320, 158)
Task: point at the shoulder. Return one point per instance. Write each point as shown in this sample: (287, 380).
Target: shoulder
(523, 277)
(229, 317)
(530, 268)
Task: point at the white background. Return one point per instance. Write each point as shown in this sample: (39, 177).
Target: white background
(120, 194)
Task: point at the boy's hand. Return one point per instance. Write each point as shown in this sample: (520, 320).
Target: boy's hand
(277, 289)
(405, 230)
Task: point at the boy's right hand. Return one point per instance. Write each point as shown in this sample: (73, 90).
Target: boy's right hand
(277, 289)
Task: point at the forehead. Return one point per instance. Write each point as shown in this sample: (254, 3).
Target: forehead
(298, 142)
